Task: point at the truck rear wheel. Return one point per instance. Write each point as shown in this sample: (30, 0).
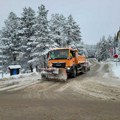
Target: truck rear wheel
(84, 70)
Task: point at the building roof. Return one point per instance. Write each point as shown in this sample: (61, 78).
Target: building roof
(14, 66)
(63, 48)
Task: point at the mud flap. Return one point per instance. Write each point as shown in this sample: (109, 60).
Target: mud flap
(58, 74)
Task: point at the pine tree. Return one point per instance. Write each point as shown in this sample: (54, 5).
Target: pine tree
(28, 21)
(72, 31)
(103, 48)
(91, 50)
(110, 46)
(10, 39)
(57, 29)
(43, 41)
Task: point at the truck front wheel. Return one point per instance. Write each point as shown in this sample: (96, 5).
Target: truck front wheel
(74, 74)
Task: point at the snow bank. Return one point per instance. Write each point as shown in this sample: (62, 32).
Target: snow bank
(18, 82)
(115, 68)
(8, 77)
(4, 75)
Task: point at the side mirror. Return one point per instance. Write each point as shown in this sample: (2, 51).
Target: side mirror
(48, 55)
(70, 57)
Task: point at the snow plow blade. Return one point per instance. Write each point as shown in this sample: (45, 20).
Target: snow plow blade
(57, 74)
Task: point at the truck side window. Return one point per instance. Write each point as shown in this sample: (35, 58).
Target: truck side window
(48, 55)
(72, 54)
(80, 53)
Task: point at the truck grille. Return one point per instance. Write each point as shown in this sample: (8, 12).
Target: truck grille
(59, 65)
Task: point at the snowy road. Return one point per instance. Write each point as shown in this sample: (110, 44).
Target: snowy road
(97, 83)
(97, 87)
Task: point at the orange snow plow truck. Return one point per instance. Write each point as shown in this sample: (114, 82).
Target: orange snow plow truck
(63, 63)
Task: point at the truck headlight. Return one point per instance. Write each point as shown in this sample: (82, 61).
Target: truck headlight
(50, 65)
(68, 68)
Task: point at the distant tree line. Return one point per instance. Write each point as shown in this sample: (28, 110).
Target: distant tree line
(28, 38)
(105, 48)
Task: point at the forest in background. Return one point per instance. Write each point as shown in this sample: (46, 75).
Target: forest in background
(25, 40)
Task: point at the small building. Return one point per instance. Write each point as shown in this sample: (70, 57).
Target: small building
(14, 69)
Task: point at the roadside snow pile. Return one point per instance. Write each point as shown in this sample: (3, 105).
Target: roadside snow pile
(8, 77)
(93, 60)
(4, 75)
(18, 82)
(115, 68)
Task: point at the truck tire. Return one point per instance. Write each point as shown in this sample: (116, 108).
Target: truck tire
(74, 74)
(84, 70)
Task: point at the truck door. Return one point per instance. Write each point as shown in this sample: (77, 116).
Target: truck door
(72, 57)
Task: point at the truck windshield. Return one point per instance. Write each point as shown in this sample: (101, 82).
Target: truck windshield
(59, 54)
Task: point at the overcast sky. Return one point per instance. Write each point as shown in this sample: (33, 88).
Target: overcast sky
(95, 17)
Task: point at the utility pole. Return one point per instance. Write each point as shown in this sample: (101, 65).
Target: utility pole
(118, 41)
(118, 35)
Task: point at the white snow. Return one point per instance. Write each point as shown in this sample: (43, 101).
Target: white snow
(17, 82)
(14, 66)
(4, 75)
(115, 68)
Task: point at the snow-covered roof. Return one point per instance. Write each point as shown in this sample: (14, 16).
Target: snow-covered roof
(14, 66)
(63, 48)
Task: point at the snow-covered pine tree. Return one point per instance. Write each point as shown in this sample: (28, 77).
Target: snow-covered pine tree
(44, 43)
(118, 51)
(82, 49)
(10, 39)
(65, 32)
(102, 49)
(28, 21)
(110, 46)
(57, 29)
(117, 44)
(115, 41)
(72, 31)
(91, 50)
(1, 52)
